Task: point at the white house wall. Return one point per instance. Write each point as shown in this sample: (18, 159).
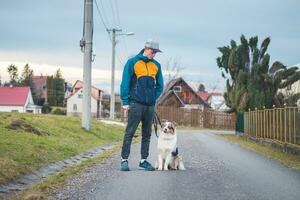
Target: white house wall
(79, 101)
(20, 109)
(29, 99)
(295, 88)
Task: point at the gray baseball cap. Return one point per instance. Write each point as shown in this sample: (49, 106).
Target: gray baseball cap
(152, 45)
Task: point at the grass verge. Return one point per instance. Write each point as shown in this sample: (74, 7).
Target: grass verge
(46, 187)
(289, 160)
(28, 141)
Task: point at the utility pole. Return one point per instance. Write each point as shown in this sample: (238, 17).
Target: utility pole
(112, 86)
(87, 45)
(112, 89)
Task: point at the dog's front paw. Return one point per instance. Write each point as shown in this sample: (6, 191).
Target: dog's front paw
(159, 169)
(166, 169)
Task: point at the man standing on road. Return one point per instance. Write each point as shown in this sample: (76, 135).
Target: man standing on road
(142, 83)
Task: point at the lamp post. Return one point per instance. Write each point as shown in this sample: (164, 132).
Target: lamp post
(112, 90)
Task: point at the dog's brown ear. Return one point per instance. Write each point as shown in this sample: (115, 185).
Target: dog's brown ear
(163, 120)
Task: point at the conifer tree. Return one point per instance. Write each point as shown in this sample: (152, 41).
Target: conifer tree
(251, 81)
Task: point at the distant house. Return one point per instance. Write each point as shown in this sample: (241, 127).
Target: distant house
(40, 87)
(214, 99)
(17, 99)
(106, 106)
(68, 89)
(75, 100)
(292, 89)
(178, 93)
(296, 89)
(68, 92)
(79, 84)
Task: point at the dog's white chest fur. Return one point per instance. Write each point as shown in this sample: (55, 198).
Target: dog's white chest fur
(166, 144)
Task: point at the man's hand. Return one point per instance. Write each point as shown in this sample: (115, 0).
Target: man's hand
(125, 107)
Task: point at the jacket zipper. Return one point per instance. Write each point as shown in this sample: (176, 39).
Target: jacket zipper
(147, 69)
(147, 86)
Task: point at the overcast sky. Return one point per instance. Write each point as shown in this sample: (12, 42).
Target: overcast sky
(46, 34)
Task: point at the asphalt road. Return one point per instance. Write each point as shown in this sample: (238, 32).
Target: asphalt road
(216, 169)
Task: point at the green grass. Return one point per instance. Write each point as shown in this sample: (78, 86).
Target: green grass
(43, 139)
(46, 187)
(289, 160)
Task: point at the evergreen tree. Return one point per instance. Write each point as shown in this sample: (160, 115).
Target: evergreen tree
(59, 88)
(51, 91)
(55, 88)
(252, 82)
(201, 88)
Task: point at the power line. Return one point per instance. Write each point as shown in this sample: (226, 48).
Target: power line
(117, 11)
(101, 17)
(124, 46)
(103, 11)
(113, 13)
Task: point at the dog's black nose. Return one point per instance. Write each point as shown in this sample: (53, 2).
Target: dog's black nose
(165, 130)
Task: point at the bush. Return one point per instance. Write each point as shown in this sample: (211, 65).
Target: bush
(59, 111)
(46, 108)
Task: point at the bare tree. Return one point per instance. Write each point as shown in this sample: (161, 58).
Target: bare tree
(13, 74)
(173, 69)
(214, 86)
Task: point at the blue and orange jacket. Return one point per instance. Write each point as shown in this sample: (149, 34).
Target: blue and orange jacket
(142, 81)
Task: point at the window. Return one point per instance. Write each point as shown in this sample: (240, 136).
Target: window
(14, 111)
(177, 89)
(74, 107)
(80, 96)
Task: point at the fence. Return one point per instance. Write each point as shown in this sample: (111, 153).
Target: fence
(282, 124)
(197, 117)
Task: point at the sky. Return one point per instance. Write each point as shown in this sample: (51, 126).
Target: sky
(46, 35)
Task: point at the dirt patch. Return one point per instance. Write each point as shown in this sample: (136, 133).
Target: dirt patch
(21, 124)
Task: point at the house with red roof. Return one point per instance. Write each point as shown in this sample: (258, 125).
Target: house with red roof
(40, 86)
(179, 94)
(75, 100)
(17, 99)
(214, 99)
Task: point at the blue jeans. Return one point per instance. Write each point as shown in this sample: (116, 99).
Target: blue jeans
(138, 113)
